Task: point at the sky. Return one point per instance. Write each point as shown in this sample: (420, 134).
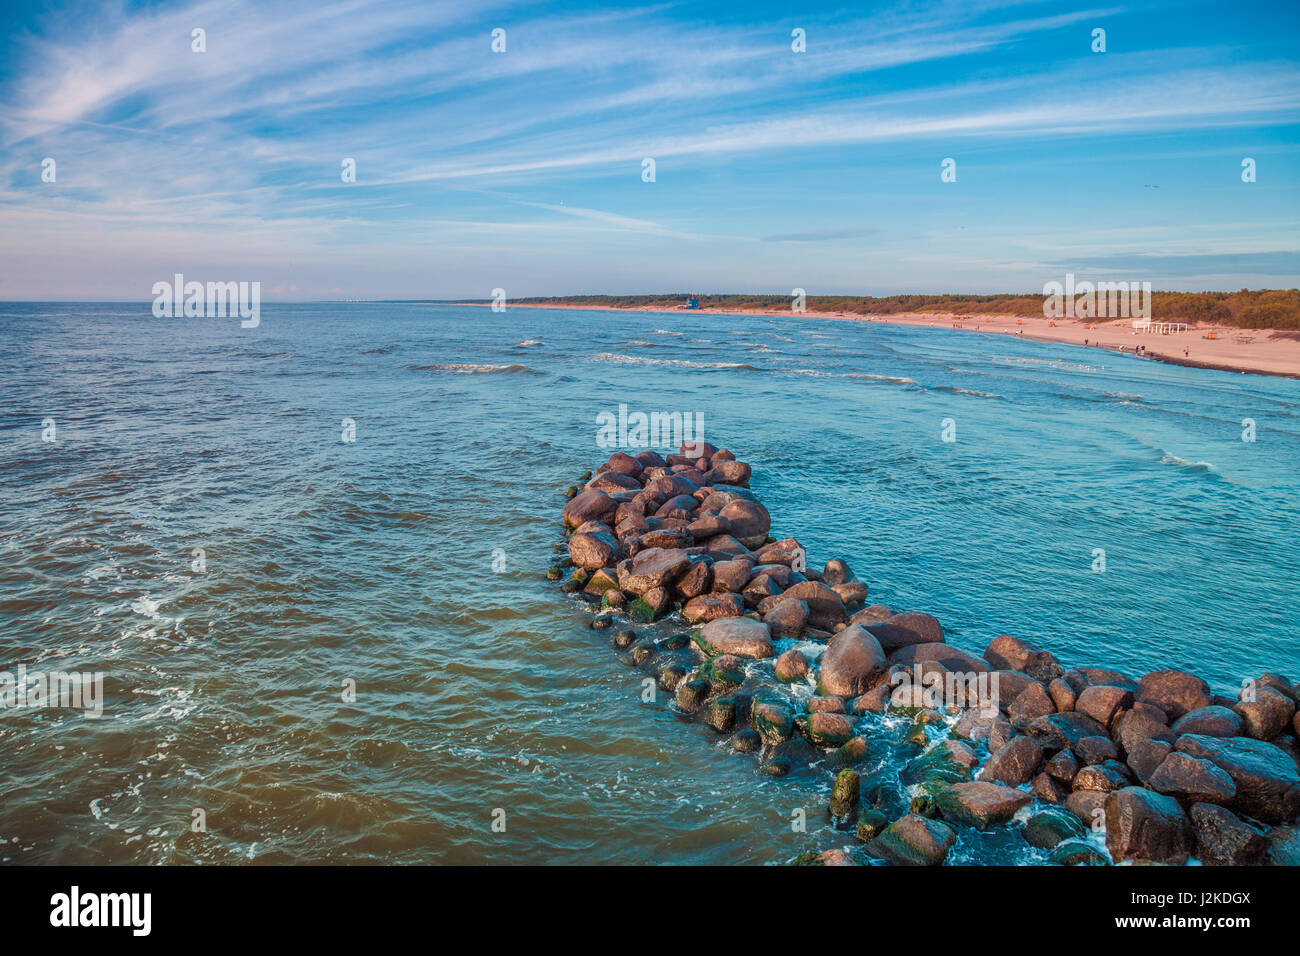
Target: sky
(524, 169)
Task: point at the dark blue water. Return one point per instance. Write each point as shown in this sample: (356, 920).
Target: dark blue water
(481, 690)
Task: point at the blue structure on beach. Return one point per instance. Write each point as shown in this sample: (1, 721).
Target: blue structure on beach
(692, 303)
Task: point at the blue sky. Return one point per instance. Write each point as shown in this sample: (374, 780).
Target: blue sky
(523, 170)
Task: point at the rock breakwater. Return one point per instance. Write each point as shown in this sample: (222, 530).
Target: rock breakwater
(917, 741)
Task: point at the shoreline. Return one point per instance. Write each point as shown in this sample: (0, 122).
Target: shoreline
(912, 739)
(1271, 352)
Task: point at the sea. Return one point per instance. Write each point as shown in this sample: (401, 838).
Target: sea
(307, 560)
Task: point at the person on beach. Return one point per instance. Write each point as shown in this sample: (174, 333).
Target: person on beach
(1184, 352)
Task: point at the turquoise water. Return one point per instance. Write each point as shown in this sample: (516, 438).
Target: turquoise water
(481, 690)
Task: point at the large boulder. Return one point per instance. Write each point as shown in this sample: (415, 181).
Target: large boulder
(853, 657)
(1011, 653)
(711, 607)
(750, 521)
(945, 654)
(825, 608)
(1212, 721)
(1192, 780)
(1268, 715)
(1267, 779)
(914, 841)
(653, 568)
(593, 505)
(1144, 825)
(1061, 731)
(1014, 763)
(902, 630)
(741, 636)
(1224, 839)
(787, 618)
(790, 666)
(593, 550)
(1174, 692)
(978, 803)
(1050, 827)
(731, 575)
(1103, 702)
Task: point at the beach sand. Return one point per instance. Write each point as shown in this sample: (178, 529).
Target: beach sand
(1258, 351)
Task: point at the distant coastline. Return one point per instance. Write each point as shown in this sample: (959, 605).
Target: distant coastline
(1265, 351)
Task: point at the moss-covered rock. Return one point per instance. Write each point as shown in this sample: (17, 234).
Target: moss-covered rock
(844, 793)
(1052, 826)
(1077, 853)
(871, 823)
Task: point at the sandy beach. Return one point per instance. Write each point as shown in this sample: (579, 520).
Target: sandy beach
(1257, 351)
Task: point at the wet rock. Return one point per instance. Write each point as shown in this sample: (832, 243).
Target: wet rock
(1031, 703)
(1048, 790)
(711, 607)
(826, 705)
(750, 521)
(978, 803)
(731, 575)
(1145, 757)
(697, 580)
(1014, 763)
(844, 793)
(1283, 846)
(1174, 692)
(914, 841)
(852, 659)
(759, 588)
(1080, 677)
(1062, 694)
(974, 725)
(1077, 853)
(652, 568)
(724, 672)
(1192, 780)
(825, 608)
(1267, 715)
(1135, 726)
(1267, 779)
(593, 550)
(725, 547)
(691, 695)
(588, 506)
(1062, 767)
(741, 636)
(1096, 750)
(601, 580)
(871, 823)
(871, 615)
(623, 638)
(651, 605)
(1048, 828)
(1012, 653)
(1224, 839)
(903, 630)
(790, 666)
(874, 701)
(1089, 806)
(947, 762)
(670, 676)
(721, 715)
(612, 481)
(773, 720)
(1104, 777)
(1059, 731)
(787, 618)
(945, 654)
(1211, 721)
(746, 741)
(828, 730)
(1103, 702)
(624, 464)
(1145, 825)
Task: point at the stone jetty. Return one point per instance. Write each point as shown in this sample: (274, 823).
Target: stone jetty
(917, 741)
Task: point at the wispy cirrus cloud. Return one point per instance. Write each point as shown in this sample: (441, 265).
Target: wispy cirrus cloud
(497, 155)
